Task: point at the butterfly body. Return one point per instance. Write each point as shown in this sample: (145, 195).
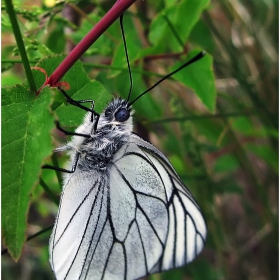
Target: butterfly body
(124, 212)
(97, 151)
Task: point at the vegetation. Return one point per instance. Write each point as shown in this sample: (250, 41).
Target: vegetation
(216, 120)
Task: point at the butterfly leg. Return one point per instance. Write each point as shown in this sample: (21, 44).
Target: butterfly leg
(73, 169)
(93, 113)
(78, 103)
(69, 132)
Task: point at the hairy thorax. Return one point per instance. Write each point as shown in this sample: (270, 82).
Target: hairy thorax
(97, 152)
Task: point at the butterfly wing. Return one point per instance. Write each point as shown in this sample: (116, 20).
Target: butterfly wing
(172, 228)
(133, 219)
(81, 226)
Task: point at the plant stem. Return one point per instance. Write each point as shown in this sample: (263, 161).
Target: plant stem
(113, 14)
(12, 15)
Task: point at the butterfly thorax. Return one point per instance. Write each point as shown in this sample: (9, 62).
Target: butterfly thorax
(97, 151)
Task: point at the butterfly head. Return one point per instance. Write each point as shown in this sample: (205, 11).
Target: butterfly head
(118, 110)
(117, 115)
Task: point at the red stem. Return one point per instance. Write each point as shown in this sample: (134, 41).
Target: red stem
(119, 8)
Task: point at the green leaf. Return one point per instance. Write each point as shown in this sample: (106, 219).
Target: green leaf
(81, 88)
(200, 77)
(244, 125)
(9, 79)
(225, 163)
(205, 41)
(176, 23)
(56, 40)
(26, 126)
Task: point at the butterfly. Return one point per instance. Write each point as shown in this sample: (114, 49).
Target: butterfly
(124, 212)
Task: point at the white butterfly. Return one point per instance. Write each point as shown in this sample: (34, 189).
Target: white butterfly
(124, 212)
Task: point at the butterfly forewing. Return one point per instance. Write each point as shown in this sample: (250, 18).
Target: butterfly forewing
(81, 216)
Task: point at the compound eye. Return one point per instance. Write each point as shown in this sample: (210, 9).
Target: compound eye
(122, 115)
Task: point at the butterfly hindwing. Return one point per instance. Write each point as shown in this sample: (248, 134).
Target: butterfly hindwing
(186, 226)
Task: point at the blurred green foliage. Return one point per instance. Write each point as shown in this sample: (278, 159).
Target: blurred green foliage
(228, 157)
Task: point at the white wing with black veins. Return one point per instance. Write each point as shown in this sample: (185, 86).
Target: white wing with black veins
(134, 219)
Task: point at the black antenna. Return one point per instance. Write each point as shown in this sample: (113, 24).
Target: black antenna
(194, 59)
(126, 55)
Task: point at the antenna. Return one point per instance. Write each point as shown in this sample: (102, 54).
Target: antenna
(194, 59)
(126, 55)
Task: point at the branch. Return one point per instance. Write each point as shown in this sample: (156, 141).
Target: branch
(113, 14)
